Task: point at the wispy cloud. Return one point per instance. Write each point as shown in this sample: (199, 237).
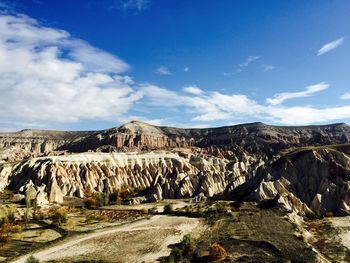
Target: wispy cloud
(248, 60)
(242, 65)
(309, 90)
(186, 69)
(163, 70)
(330, 46)
(345, 96)
(137, 6)
(268, 68)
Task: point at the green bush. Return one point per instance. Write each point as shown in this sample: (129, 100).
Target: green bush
(168, 208)
(32, 259)
(188, 244)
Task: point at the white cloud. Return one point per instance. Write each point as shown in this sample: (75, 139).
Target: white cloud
(215, 106)
(309, 90)
(48, 76)
(345, 96)
(193, 90)
(186, 69)
(330, 46)
(268, 68)
(163, 70)
(307, 115)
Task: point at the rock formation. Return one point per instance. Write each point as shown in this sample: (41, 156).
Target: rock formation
(37, 141)
(289, 165)
(253, 137)
(163, 174)
(309, 180)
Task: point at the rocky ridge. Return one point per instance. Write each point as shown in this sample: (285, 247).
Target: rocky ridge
(255, 159)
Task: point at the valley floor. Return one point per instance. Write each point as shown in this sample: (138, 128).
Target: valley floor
(143, 240)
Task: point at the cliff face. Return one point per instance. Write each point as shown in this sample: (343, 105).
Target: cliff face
(26, 143)
(316, 180)
(163, 174)
(254, 137)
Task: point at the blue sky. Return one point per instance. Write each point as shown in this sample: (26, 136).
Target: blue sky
(96, 64)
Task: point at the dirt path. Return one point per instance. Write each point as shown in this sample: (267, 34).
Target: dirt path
(144, 240)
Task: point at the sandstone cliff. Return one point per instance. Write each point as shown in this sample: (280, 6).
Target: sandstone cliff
(310, 180)
(253, 137)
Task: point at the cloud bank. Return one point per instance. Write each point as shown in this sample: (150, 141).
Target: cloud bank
(48, 77)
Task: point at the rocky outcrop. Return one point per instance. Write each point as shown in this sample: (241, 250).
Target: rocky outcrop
(257, 138)
(37, 141)
(311, 180)
(166, 162)
(162, 174)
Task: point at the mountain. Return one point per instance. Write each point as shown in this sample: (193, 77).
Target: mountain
(294, 166)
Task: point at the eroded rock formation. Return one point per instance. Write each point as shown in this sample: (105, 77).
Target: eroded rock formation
(312, 180)
(165, 162)
(163, 174)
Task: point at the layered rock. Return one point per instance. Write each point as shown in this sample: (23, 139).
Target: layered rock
(192, 163)
(37, 141)
(253, 137)
(163, 174)
(313, 180)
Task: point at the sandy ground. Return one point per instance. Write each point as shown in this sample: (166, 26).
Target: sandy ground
(143, 240)
(343, 223)
(177, 203)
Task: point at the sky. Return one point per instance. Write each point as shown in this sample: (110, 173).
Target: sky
(89, 65)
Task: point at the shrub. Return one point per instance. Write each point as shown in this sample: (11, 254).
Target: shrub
(60, 215)
(32, 259)
(3, 237)
(217, 252)
(90, 202)
(11, 228)
(188, 244)
(183, 252)
(153, 210)
(88, 192)
(220, 207)
(201, 212)
(168, 208)
(11, 216)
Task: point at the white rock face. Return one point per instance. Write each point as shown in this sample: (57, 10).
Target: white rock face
(164, 174)
(315, 180)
